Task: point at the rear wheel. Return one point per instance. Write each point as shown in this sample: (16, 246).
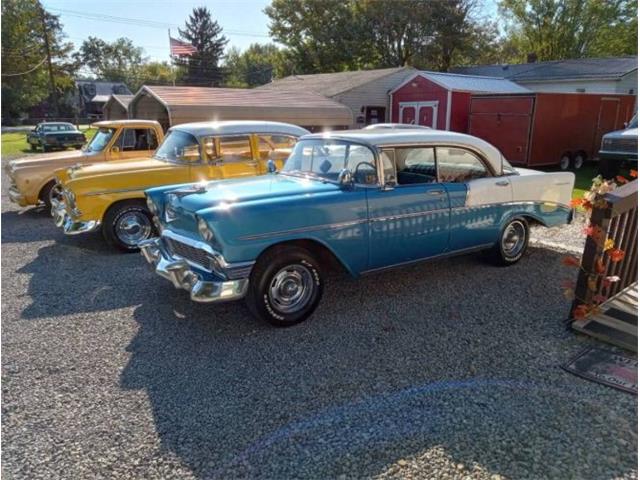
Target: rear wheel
(578, 160)
(513, 242)
(285, 286)
(126, 224)
(565, 162)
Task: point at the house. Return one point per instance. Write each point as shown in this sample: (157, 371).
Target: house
(116, 107)
(92, 95)
(175, 105)
(582, 75)
(442, 100)
(364, 92)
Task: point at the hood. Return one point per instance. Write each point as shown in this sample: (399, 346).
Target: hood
(628, 133)
(62, 134)
(225, 193)
(120, 166)
(46, 159)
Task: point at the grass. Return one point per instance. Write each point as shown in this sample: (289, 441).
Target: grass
(584, 179)
(15, 143)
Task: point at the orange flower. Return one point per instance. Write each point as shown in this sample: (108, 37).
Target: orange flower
(576, 202)
(570, 261)
(633, 173)
(621, 179)
(580, 312)
(615, 255)
(587, 205)
(600, 269)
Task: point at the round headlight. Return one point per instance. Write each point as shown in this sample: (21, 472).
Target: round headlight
(152, 206)
(205, 232)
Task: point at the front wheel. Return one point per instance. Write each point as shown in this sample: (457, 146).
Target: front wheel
(513, 242)
(126, 224)
(285, 287)
(565, 162)
(578, 161)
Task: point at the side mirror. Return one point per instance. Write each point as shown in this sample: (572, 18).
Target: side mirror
(115, 149)
(345, 177)
(271, 166)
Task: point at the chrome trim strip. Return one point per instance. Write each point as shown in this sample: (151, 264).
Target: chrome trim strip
(528, 202)
(119, 190)
(408, 215)
(434, 257)
(328, 226)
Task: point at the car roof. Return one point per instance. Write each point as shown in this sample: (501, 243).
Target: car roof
(125, 122)
(394, 137)
(231, 127)
(397, 126)
(58, 123)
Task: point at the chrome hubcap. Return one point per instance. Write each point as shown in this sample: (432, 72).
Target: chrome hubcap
(291, 288)
(133, 227)
(513, 238)
(577, 163)
(55, 194)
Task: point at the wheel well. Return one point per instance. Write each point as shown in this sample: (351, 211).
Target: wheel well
(533, 220)
(325, 257)
(42, 189)
(138, 201)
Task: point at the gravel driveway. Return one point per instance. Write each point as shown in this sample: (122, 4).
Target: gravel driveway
(443, 370)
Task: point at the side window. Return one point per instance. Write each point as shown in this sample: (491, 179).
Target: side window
(275, 147)
(228, 149)
(138, 139)
(416, 165)
(388, 159)
(152, 139)
(459, 165)
(362, 164)
(127, 140)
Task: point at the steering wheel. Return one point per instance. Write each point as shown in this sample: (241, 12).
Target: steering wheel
(359, 164)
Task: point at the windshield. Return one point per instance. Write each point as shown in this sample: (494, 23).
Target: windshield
(633, 123)
(57, 127)
(100, 139)
(179, 147)
(326, 158)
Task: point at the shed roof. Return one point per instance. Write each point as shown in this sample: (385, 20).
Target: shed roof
(468, 83)
(572, 69)
(188, 104)
(330, 84)
(123, 100)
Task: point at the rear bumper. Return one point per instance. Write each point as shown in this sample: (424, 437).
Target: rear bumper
(619, 156)
(69, 225)
(182, 275)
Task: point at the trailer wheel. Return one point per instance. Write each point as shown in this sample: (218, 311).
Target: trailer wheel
(565, 162)
(578, 160)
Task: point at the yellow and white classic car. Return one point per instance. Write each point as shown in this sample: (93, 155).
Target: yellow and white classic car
(32, 179)
(110, 196)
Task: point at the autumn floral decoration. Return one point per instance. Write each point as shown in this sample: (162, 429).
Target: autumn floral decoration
(592, 199)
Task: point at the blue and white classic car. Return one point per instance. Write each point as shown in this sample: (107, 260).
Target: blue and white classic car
(365, 200)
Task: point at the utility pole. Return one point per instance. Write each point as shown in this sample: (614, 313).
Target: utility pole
(53, 94)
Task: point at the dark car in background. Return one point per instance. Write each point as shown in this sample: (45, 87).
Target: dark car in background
(50, 135)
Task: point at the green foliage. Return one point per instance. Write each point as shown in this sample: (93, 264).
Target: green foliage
(205, 34)
(334, 35)
(561, 29)
(116, 61)
(15, 143)
(255, 66)
(25, 78)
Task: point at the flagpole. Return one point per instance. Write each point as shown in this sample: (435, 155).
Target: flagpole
(173, 73)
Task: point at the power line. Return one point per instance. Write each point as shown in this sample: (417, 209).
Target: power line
(28, 71)
(142, 22)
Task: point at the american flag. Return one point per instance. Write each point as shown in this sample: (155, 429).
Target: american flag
(180, 48)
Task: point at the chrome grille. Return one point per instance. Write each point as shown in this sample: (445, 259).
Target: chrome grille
(188, 252)
(621, 144)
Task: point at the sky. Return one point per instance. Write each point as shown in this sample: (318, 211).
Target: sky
(146, 22)
(243, 21)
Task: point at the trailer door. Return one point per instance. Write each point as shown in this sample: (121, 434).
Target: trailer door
(505, 122)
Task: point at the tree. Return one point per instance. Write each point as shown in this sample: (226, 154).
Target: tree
(561, 29)
(117, 61)
(255, 66)
(205, 34)
(25, 77)
(334, 35)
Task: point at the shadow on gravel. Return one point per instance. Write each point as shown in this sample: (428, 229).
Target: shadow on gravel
(454, 358)
(28, 225)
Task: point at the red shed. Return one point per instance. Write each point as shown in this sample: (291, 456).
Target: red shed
(539, 129)
(442, 100)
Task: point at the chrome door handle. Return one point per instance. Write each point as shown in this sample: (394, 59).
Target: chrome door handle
(503, 183)
(435, 192)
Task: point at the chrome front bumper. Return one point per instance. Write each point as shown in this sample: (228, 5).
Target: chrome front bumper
(16, 197)
(181, 274)
(69, 225)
